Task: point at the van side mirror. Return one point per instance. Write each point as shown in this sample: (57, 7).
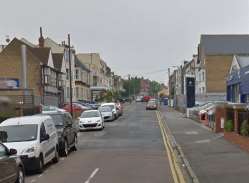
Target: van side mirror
(46, 137)
(12, 152)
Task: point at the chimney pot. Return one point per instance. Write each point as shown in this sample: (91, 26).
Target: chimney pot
(41, 39)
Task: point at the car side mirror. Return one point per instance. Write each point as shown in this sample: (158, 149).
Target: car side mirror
(12, 152)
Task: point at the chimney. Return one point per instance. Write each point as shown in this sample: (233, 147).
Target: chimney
(41, 39)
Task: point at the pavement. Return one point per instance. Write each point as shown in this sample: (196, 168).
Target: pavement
(211, 157)
(128, 150)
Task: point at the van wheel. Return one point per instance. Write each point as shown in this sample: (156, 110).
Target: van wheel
(65, 150)
(20, 178)
(56, 158)
(74, 148)
(40, 165)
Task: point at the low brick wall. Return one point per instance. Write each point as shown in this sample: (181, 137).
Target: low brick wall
(235, 138)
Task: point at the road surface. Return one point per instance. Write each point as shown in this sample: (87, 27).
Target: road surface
(128, 150)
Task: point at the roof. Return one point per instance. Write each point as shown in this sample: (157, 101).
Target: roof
(243, 61)
(42, 54)
(25, 120)
(57, 59)
(56, 48)
(13, 50)
(28, 42)
(78, 63)
(225, 44)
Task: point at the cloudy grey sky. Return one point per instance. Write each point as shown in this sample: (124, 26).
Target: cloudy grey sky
(132, 36)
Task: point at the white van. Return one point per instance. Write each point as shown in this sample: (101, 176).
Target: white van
(34, 138)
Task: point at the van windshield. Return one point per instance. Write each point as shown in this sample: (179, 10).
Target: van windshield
(18, 133)
(111, 106)
(105, 109)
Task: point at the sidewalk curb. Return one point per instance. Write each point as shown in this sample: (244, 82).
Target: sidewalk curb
(182, 160)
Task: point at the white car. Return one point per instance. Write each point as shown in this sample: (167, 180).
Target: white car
(91, 119)
(113, 106)
(107, 113)
(34, 138)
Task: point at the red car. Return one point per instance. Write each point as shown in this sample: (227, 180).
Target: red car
(146, 98)
(77, 108)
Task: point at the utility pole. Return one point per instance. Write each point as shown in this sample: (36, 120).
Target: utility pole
(169, 97)
(129, 78)
(70, 74)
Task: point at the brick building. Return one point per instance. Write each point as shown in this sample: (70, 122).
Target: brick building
(43, 78)
(215, 55)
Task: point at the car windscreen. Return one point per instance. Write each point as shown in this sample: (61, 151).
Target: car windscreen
(91, 114)
(105, 109)
(58, 120)
(111, 106)
(152, 103)
(18, 133)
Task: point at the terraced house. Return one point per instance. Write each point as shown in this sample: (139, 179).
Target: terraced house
(82, 81)
(44, 72)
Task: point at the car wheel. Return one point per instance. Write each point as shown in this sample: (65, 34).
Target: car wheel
(41, 165)
(20, 178)
(56, 158)
(74, 148)
(65, 150)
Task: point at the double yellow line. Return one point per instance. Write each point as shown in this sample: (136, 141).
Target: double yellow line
(174, 165)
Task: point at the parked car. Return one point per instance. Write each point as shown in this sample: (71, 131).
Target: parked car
(91, 119)
(107, 113)
(113, 106)
(88, 106)
(146, 98)
(66, 130)
(11, 166)
(77, 108)
(139, 98)
(49, 108)
(151, 105)
(34, 138)
(119, 108)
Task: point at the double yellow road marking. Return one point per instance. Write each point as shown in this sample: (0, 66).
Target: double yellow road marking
(174, 165)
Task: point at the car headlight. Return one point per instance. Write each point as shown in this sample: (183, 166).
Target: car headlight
(30, 150)
(98, 121)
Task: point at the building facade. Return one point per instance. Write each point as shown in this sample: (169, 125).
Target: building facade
(43, 78)
(238, 80)
(215, 55)
(63, 49)
(82, 81)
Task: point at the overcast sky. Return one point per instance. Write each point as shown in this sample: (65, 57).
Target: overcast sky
(132, 36)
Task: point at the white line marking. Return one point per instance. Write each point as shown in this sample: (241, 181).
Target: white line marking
(191, 133)
(92, 175)
(203, 141)
(40, 175)
(32, 181)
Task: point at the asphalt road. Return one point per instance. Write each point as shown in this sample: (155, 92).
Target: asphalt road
(128, 150)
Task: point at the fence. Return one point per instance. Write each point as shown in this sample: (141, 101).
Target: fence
(17, 102)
